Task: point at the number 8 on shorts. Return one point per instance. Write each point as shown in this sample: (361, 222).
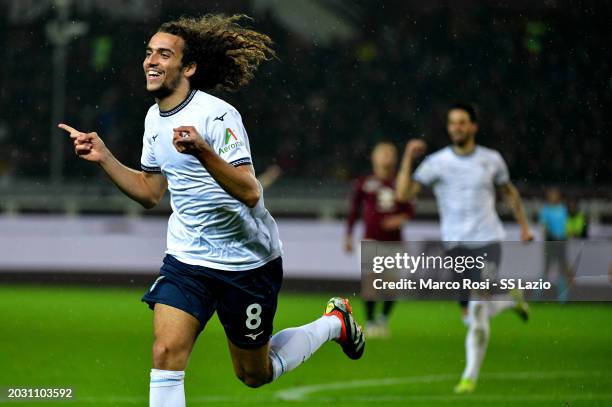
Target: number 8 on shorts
(253, 313)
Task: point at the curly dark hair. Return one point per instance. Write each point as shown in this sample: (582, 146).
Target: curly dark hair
(226, 53)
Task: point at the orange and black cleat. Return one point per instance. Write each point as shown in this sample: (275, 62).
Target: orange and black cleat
(351, 337)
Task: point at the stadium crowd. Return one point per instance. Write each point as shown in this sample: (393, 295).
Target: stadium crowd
(541, 78)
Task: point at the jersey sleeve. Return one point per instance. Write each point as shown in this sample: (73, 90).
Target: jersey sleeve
(502, 175)
(228, 137)
(426, 173)
(147, 159)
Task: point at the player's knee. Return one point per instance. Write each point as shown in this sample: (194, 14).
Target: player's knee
(161, 354)
(253, 381)
(254, 378)
(168, 356)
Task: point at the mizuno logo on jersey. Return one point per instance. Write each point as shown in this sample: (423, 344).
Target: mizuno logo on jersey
(154, 137)
(253, 336)
(220, 118)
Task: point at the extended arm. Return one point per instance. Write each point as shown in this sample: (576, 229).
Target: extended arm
(145, 188)
(239, 182)
(516, 203)
(405, 187)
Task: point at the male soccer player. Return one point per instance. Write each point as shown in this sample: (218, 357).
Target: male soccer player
(464, 176)
(373, 199)
(223, 250)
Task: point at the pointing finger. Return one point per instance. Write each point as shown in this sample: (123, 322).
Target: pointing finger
(67, 128)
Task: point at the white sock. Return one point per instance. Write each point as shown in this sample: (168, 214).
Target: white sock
(291, 347)
(499, 303)
(477, 339)
(167, 388)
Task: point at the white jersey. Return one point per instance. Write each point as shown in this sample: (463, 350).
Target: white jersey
(208, 227)
(464, 186)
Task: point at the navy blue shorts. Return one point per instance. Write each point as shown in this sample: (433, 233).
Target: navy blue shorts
(493, 258)
(245, 301)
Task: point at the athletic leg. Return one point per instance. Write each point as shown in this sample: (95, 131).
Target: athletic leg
(476, 343)
(371, 327)
(499, 303)
(285, 351)
(369, 306)
(175, 334)
(387, 307)
(182, 304)
(291, 347)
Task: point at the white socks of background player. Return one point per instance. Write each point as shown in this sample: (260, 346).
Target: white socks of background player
(292, 346)
(499, 303)
(167, 388)
(495, 305)
(477, 338)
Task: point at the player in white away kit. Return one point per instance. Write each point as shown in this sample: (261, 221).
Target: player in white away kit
(223, 251)
(464, 177)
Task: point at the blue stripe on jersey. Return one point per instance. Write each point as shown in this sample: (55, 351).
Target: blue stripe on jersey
(150, 169)
(180, 106)
(241, 161)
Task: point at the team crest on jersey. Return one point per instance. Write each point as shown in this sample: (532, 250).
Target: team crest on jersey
(385, 199)
(231, 142)
(371, 185)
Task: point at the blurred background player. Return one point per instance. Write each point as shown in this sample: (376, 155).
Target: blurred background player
(464, 176)
(373, 199)
(269, 176)
(553, 218)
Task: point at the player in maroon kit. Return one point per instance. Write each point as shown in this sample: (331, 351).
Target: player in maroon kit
(373, 199)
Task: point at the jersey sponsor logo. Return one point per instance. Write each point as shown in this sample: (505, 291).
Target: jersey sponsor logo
(154, 137)
(253, 336)
(220, 118)
(231, 142)
(229, 134)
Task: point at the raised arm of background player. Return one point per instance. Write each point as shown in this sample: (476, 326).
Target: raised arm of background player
(147, 188)
(407, 188)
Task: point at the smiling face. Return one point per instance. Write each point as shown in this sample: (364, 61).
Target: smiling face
(163, 64)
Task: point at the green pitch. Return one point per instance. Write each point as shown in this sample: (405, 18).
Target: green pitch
(97, 341)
